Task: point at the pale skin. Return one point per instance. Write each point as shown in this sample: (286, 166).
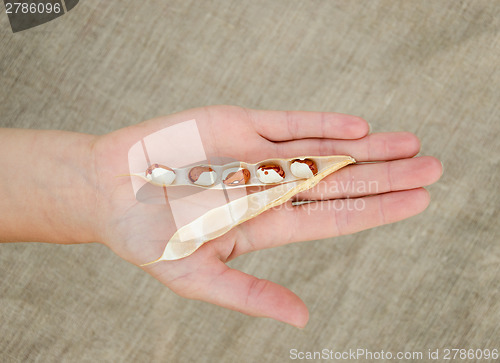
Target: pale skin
(61, 187)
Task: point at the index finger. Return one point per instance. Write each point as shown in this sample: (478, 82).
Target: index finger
(292, 125)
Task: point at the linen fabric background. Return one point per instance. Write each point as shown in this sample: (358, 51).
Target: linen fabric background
(429, 67)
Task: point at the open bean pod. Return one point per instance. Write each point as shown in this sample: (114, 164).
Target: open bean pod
(222, 219)
(239, 174)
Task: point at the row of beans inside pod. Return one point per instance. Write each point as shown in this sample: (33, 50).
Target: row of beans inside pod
(268, 173)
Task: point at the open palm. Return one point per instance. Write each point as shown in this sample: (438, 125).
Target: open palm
(130, 227)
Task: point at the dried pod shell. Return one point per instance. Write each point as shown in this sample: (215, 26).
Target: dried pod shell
(202, 175)
(270, 173)
(222, 219)
(160, 174)
(237, 177)
(303, 168)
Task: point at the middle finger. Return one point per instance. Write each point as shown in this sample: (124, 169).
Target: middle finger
(375, 178)
(374, 147)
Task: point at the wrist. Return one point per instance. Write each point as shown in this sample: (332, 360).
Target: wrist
(49, 194)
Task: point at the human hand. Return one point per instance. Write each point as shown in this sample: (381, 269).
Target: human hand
(128, 227)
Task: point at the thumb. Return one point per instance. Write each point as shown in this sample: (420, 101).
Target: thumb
(250, 295)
